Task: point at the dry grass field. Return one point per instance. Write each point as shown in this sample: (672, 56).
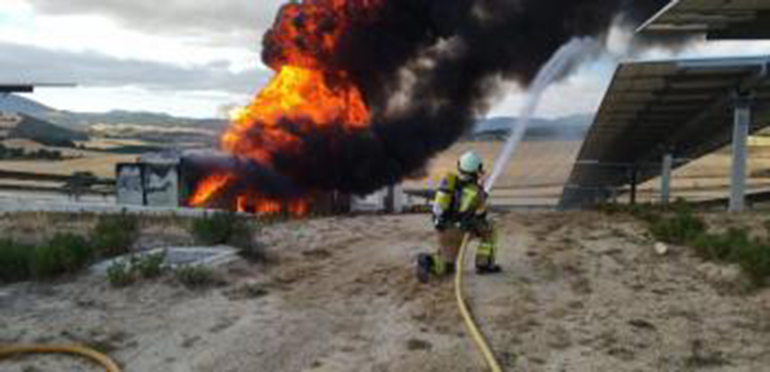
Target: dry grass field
(535, 176)
(539, 170)
(99, 163)
(709, 177)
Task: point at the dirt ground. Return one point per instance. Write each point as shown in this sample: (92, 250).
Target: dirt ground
(580, 292)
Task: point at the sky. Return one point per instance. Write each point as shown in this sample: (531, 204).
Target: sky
(199, 58)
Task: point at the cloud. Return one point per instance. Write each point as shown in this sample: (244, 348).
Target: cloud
(197, 17)
(21, 63)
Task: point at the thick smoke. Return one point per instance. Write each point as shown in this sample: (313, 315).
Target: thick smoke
(428, 69)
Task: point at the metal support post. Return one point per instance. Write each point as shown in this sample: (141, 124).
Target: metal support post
(634, 181)
(740, 144)
(665, 179)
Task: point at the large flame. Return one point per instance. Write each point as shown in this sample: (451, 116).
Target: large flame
(294, 94)
(209, 187)
(306, 89)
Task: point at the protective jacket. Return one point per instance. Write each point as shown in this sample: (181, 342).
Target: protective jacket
(460, 203)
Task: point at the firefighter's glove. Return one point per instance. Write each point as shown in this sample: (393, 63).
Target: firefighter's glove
(474, 224)
(440, 223)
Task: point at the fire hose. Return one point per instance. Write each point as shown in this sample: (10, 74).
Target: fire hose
(470, 323)
(109, 365)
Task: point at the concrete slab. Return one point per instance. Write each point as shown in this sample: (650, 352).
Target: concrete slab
(179, 256)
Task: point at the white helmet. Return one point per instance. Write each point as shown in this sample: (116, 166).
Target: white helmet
(470, 163)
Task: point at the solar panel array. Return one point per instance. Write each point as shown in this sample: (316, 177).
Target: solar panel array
(718, 19)
(684, 108)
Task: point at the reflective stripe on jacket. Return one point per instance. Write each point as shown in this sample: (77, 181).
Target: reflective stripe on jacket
(456, 200)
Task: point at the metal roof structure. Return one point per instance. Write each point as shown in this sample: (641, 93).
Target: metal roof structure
(30, 87)
(717, 19)
(683, 108)
(16, 88)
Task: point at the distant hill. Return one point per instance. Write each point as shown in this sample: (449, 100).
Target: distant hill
(14, 103)
(45, 133)
(82, 121)
(567, 128)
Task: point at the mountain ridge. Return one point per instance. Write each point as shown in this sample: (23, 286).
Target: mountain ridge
(83, 120)
(494, 128)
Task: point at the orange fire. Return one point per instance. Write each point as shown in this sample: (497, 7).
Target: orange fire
(208, 188)
(266, 206)
(294, 94)
(307, 93)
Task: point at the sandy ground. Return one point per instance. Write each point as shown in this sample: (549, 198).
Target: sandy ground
(580, 292)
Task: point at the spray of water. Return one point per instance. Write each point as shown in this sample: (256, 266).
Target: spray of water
(568, 55)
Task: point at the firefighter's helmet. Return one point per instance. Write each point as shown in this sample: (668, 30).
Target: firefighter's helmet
(470, 163)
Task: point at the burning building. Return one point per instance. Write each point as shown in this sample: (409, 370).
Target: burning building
(365, 92)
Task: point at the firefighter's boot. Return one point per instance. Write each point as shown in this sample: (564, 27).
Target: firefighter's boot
(432, 264)
(424, 267)
(485, 255)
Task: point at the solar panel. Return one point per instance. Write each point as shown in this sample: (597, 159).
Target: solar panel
(717, 19)
(652, 108)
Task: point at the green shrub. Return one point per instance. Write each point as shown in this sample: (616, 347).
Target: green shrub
(115, 234)
(15, 261)
(197, 277)
(149, 266)
(122, 273)
(736, 246)
(645, 212)
(215, 228)
(63, 254)
(75, 251)
(712, 247)
(231, 229)
(681, 228)
(119, 274)
(754, 259)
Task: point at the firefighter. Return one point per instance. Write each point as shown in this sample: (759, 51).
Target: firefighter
(459, 208)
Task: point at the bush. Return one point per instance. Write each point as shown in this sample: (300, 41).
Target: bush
(63, 254)
(215, 229)
(122, 273)
(197, 277)
(15, 261)
(149, 266)
(115, 234)
(735, 246)
(119, 274)
(754, 259)
(712, 247)
(231, 229)
(682, 228)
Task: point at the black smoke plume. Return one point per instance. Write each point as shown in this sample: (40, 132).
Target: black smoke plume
(428, 69)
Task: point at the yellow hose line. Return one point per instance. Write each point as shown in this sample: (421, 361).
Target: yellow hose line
(11, 350)
(470, 324)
